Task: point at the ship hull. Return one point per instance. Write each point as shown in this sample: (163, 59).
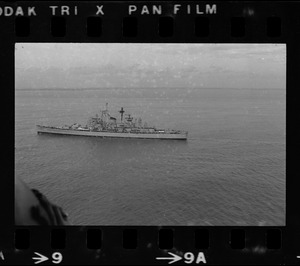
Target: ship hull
(101, 134)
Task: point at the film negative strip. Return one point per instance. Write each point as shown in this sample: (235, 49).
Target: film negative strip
(192, 157)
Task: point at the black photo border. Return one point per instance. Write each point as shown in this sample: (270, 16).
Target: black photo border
(112, 251)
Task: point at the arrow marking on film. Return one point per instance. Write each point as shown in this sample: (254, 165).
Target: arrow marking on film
(173, 259)
(39, 259)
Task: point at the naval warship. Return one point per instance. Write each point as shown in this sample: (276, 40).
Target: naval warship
(107, 126)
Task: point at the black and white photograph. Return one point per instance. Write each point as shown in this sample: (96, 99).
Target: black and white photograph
(150, 134)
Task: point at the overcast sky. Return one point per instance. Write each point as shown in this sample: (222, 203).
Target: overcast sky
(78, 65)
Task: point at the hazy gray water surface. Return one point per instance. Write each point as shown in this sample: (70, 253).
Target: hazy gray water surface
(231, 171)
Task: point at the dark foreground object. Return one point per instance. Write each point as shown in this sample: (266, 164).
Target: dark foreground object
(33, 208)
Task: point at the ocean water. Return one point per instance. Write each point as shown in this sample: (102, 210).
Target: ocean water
(230, 171)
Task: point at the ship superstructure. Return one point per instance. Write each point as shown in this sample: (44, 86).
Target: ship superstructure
(105, 125)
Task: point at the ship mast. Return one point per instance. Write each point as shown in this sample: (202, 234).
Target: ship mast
(122, 112)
